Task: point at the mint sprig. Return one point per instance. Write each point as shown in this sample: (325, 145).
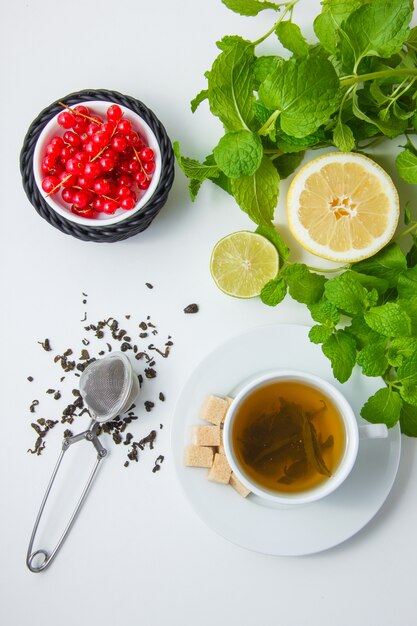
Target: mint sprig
(355, 85)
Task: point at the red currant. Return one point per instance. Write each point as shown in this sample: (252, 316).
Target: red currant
(84, 182)
(81, 109)
(106, 164)
(92, 169)
(109, 207)
(80, 124)
(91, 129)
(80, 199)
(87, 212)
(147, 154)
(53, 150)
(124, 127)
(145, 184)
(101, 186)
(48, 162)
(67, 195)
(81, 156)
(91, 148)
(72, 138)
(98, 203)
(100, 139)
(119, 143)
(50, 184)
(67, 152)
(57, 141)
(125, 180)
(123, 192)
(139, 177)
(149, 167)
(66, 179)
(133, 139)
(66, 119)
(133, 166)
(74, 166)
(114, 113)
(127, 203)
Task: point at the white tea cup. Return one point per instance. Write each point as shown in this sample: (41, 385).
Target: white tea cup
(353, 433)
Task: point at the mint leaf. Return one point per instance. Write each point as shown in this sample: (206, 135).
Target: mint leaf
(407, 283)
(271, 233)
(286, 143)
(400, 349)
(199, 98)
(372, 358)
(409, 394)
(319, 334)
(286, 164)
(383, 407)
(361, 332)
(377, 29)
(239, 153)
(303, 285)
(408, 420)
(387, 264)
(230, 87)
(372, 283)
(264, 66)
(291, 38)
(257, 195)
(274, 291)
(340, 348)
(250, 7)
(409, 306)
(347, 294)
(305, 92)
(343, 137)
(324, 312)
(326, 25)
(406, 163)
(193, 168)
(389, 320)
(407, 370)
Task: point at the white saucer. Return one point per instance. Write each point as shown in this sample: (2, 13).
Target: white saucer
(254, 523)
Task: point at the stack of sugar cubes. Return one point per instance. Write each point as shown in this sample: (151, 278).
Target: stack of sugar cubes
(207, 449)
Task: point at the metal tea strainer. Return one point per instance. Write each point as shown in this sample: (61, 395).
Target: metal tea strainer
(108, 387)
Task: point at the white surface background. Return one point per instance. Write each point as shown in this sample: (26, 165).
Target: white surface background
(138, 553)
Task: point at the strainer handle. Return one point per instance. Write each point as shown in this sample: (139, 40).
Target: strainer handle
(88, 435)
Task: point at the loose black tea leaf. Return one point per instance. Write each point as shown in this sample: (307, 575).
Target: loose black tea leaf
(149, 286)
(161, 397)
(149, 405)
(46, 345)
(191, 308)
(30, 379)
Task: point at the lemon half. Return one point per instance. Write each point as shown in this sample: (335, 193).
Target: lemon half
(343, 207)
(242, 263)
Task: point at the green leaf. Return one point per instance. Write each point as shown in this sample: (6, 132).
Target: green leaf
(408, 420)
(264, 66)
(303, 285)
(286, 164)
(409, 306)
(347, 293)
(291, 38)
(372, 283)
(407, 370)
(305, 92)
(361, 332)
(192, 168)
(271, 233)
(412, 253)
(200, 97)
(193, 188)
(389, 320)
(340, 348)
(319, 334)
(383, 407)
(274, 291)
(325, 312)
(409, 394)
(343, 137)
(257, 195)
(400, 349)
(387, 264)
(250, 7)
(377, 29)
(372, 358)
(407, 283)
(326, 25)
(239, 153)
(287, 144)
(230, 87)
(406, 163)
(407, 214)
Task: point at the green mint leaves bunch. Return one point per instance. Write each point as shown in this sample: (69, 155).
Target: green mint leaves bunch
(355, 85)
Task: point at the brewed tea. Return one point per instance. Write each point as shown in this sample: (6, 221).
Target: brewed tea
(288, 436)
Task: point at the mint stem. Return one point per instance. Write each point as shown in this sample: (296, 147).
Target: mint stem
(406, 232)
(288, 8)
(271, 120)
(360, 78)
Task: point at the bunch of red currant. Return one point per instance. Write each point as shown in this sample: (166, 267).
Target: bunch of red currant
(97, 165)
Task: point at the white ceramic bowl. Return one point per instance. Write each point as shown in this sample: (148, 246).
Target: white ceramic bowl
(56, 203)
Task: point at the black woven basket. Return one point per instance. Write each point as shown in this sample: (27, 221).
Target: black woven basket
(114, 232)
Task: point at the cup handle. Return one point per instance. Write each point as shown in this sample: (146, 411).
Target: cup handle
(373, 431)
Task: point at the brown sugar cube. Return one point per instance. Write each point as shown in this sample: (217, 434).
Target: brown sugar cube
(220, 470)
(237, 485)
(206, 436)
(198, 456)
(214, 410)
(221, 446)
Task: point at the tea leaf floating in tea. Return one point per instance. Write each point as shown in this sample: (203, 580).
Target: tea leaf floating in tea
(288, 435)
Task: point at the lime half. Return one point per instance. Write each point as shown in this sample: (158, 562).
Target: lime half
(242, 263)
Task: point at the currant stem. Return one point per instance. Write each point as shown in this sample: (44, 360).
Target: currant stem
(54, 189)
(87, 117)
(140, 162)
